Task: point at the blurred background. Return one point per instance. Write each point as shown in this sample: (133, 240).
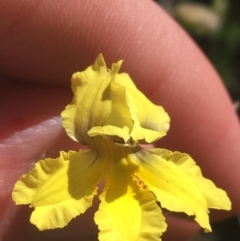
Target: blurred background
(215, 27)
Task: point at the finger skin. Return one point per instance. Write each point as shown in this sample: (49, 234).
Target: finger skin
(46, 42)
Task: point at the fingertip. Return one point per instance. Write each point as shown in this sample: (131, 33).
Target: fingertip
(180, 229)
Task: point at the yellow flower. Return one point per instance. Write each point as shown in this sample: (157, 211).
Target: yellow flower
(110, 115)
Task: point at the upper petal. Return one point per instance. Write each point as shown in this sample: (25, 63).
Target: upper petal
(91, 103)
(133, 116)
(173, 186)
(128, 212)
(151, 122)
(109, 104)
(59, 189)
(119, 122)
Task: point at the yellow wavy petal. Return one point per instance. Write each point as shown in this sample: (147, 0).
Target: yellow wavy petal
(91, 103)
(151, 122)
(132, 115)
(175, 189)
(216, 198)
(59, 189)
(119, 122)
(108, 103)
(128, 212)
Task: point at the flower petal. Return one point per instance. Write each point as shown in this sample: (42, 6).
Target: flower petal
(108, 103)
(91, 102)
(59, 189)
(216, 198)
(128, 212)
(119, 122)
(173, 186)
(151, 122)
(132, 115)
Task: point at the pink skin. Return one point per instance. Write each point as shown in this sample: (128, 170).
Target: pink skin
(43, 43)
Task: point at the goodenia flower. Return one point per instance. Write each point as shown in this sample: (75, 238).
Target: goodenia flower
(112, 117)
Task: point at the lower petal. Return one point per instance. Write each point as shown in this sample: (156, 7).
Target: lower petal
(128, 212)
(216, 198)
(173, 186)
(59, 189)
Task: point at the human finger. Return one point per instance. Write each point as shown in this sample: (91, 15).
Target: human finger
(165, 61)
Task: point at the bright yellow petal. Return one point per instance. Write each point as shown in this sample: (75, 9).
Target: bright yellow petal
(119, 122)
(132, 115)
(91, 102)
(216, 198)
(109, 104)
(175, 189)
(59, 189)
(151, 122)
(127, 212)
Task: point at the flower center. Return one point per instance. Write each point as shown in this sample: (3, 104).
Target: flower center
(120, 141)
